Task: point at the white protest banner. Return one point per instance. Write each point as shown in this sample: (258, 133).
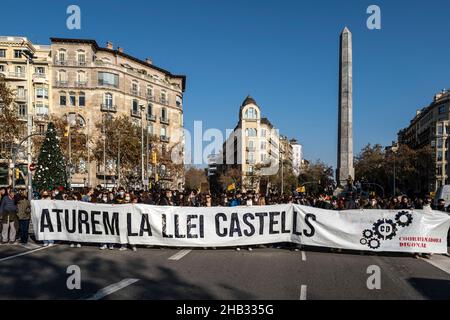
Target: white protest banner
(373, 230)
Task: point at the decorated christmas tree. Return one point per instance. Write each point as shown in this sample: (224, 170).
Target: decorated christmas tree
(51, 168)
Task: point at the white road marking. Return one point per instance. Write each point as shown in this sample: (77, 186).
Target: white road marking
(303, 292)
(439, 261)
(25, 253)
(179, 255)
(112, 288)
(303, 256)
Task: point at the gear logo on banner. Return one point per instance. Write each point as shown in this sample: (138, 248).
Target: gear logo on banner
(385, 229)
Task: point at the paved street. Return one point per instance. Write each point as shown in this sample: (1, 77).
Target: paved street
(264, 273)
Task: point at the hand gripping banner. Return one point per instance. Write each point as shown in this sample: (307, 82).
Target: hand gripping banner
(369, 230)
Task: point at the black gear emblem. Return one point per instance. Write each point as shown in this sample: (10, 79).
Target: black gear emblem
(367, 234)
(404, 218)
(385, 229)
(363, 241)
(374, 243)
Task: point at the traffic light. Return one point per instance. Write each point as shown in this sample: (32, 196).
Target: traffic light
(154, 159)
(17, 173)
(66, 130)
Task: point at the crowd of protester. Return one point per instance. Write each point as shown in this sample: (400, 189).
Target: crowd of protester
(15, 209)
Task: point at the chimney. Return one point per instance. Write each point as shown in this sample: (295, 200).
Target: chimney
(109, 45)
(120, 49)
(149, 60)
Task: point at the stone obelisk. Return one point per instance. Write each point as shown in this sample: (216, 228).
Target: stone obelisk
(345, 167)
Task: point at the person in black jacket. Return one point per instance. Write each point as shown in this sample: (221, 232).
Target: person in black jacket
(8, 211)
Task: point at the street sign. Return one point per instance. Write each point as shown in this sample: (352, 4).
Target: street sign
(32, 167)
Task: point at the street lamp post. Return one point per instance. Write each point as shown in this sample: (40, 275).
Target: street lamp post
(142, 145)
(29, 57)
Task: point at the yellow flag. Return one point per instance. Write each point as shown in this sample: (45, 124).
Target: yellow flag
(231, 187)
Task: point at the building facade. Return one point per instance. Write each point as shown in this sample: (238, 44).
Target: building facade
(88, 83)
(30, 81)
(430, 127)
(254, 148)
(297, 156)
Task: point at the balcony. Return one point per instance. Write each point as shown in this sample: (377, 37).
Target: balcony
(17, 75)
(22, 116)
(135, 92)
(81, 63)
(39, 78)
(251, 149)
(61, 63)
(164, 120)
(108, 108)
(81, 84)
(164, 139)
(150, 97)
(151, 117)
(164, 101)
(136, 113)
(250, 161)
(61, 83)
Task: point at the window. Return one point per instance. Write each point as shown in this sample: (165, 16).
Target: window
(134, 88)
(441, 109)
(22, 110)
(62, 76)
(263, 132)
(2, 53)
(439, 155)
(62, 99)
(251, 113)
(41, 93)
(263, 145)
(108, 100)
(41, 109)
(62, 55)
(263, 157)
(72, 99)
(21, 92)
(81, 57)
(149, 92)
(2, 67)
(17, 54)
(163, 132)
(179, 102)
(135, 107)
(82, 99)
(20, 71)
(39, 70)
(440, 129)
(150, 128)
(439, 170)
(163, 97)
(150, 109)
(81, 77)
(251, 132)
(108, 79)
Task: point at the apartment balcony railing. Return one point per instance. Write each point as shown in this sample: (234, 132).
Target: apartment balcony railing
(22, 95)
(150, 97)
(81, 63)
(164, 101)
(164, 120)
(81, 84)
(18, 75)
(61, 63)
(250, 161)
(61, 83)
(251, 149)
(151, 117)
(164, 138)
(22, 116)
(108, 108)
(135, 92)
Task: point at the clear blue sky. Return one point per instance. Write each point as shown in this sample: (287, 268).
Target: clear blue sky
(283, 53)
